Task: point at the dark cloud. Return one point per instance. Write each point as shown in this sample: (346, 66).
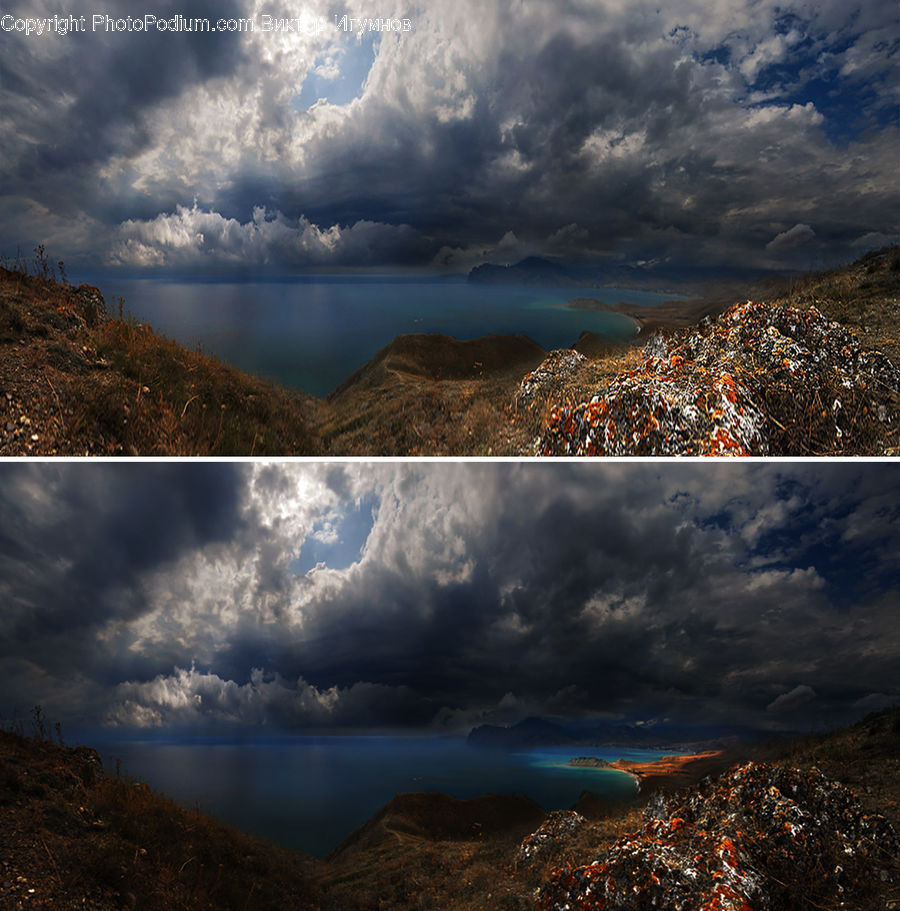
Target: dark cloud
(658, 132)
(75, 543)
(78, 100)
(789, 702)
(171, 594)
(799, 234)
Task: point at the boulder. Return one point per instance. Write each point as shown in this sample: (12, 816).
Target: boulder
(556, 829)
(758, 380)
(90, 304)
(558, 365)
(760, 838)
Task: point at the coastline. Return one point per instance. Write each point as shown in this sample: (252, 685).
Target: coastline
(674, 772)
(671, 314)
(669, 772)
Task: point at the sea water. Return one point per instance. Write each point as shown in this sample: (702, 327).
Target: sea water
(312, 333)
(310, 793)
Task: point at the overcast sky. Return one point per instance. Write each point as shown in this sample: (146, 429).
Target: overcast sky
(713, 132)
(441, 595)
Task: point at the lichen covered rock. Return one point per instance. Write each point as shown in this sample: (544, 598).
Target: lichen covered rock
(758, 380)
(90, 304)
(556, 366)
(760, 838)
(557, 828)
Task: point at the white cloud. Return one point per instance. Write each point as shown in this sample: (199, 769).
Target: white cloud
(793, 237)
(191, 697)
(194, 236)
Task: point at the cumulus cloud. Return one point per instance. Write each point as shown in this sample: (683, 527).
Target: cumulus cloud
(196, 237)
(191, 698)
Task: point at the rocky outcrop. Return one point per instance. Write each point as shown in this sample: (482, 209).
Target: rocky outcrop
(90, 304)
(759, 838)
(758, 380)
(556, 366)
(557, 828)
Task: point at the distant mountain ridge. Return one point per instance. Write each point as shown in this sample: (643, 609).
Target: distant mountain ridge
(538, 732)
(533, 270)
(539, 270)
(530, 732)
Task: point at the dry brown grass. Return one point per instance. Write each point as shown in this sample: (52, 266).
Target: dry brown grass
(479, 874)
(167, 400)
(115, 387)
(110, 842)
(410, 416)
(864, 296)
(432, 395)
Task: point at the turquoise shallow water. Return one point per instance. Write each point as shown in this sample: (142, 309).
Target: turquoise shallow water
(311, 334)
(309, 793)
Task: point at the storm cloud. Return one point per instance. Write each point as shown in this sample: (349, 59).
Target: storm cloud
(300, 595)
(604, 132)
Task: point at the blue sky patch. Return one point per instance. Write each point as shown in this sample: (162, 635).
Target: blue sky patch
(354, 65)
(338, 544)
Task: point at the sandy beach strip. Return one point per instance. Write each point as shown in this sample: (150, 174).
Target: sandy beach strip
(672, 314)
(674, 772)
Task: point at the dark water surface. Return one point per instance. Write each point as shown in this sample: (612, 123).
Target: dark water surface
(309, 793)
(311, 334)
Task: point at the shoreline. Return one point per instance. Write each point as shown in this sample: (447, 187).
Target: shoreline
(667, 773)
(674, 772)
(671, 314)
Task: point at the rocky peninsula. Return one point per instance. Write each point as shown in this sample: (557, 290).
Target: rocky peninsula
(668, 773)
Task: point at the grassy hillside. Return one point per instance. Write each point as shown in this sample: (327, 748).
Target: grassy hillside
(74, 837)
(79, 837)
(76, 380)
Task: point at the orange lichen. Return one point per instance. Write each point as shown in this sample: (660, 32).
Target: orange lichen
(723, 848)
(743, 384)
